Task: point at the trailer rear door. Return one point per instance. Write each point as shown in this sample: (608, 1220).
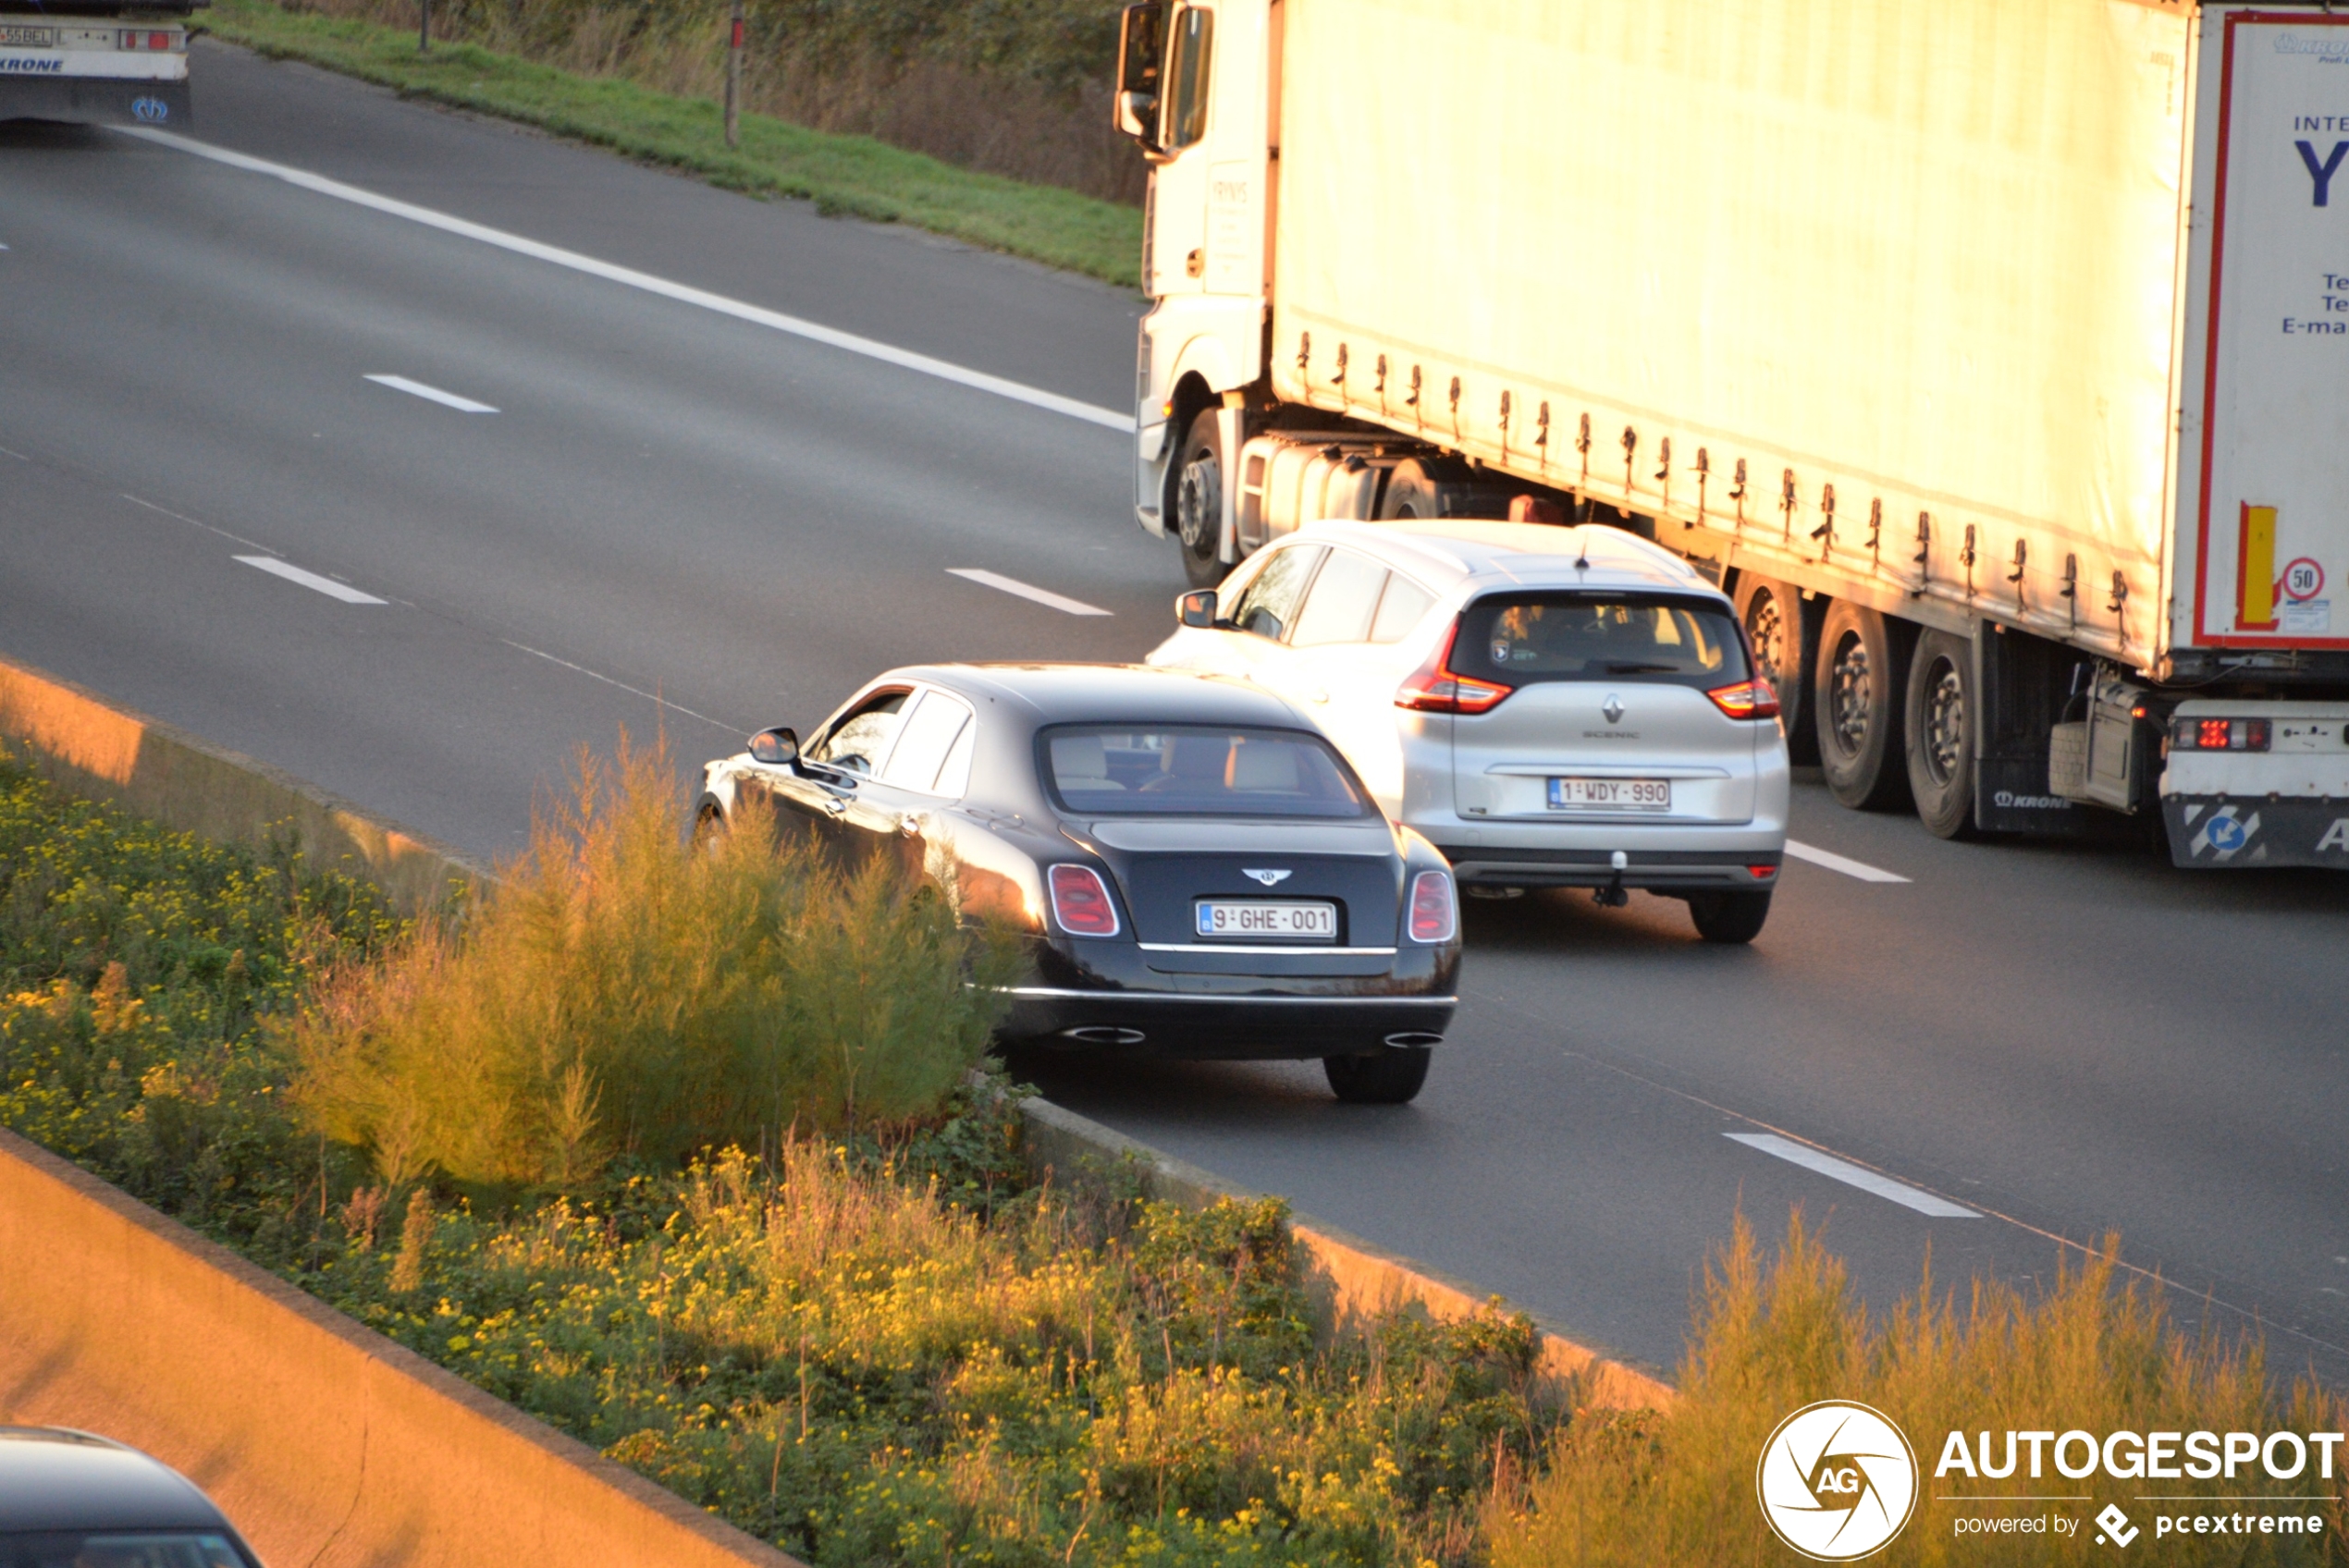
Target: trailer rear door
(2268, 520)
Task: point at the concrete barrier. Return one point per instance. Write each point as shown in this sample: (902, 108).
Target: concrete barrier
(101, 751)
(1352, 1281)
(327, 1444)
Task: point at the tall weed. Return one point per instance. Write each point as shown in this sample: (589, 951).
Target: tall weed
(619, 994)
(2097, 1353)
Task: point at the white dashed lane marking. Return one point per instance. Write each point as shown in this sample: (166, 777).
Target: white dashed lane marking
(432, 394)
(1026, 591)
(1833, 862)
(1859, 1176)
(325, 585)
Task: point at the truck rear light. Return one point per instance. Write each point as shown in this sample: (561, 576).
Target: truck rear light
(1431, 914)
(1434, 689)
(1081, 902)
(2218, 735)
(1747, 699)
(136, 38)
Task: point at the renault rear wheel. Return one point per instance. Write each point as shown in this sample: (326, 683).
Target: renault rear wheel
(1728, 918)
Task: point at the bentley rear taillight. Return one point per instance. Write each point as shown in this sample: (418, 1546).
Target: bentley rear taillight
(1081, 902)
(1432, 919)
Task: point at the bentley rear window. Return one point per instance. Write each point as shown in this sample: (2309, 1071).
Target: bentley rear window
(1198, 770)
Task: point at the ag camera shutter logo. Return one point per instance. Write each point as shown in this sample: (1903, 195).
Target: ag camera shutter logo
(1837, 1481)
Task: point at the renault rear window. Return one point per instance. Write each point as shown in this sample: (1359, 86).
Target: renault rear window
(1519, 639)
(1197, 770)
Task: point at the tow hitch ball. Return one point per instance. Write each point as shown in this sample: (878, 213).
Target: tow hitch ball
(1612, 896)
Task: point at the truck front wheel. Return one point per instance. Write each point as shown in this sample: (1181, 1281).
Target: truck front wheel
(1199, 501)
(1858, 698)
(1941, 733)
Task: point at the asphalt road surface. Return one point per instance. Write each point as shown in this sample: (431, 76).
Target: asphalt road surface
(702, 519)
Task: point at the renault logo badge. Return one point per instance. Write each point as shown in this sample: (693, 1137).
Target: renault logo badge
(1612, 708)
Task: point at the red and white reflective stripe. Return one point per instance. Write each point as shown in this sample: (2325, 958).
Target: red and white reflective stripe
(1434, 916)
(1081, 903)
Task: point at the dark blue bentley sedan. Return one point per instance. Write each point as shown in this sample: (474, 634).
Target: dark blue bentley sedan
(1198, 870)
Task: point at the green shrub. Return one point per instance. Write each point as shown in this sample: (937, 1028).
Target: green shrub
(2096, 1352)
(138, 969)
(619, 994)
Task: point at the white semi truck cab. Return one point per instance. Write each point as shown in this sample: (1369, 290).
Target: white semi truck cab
(1991, 356)
(96, 64)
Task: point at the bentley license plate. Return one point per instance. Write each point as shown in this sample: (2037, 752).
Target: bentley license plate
(1250, 920)
(1611, 795)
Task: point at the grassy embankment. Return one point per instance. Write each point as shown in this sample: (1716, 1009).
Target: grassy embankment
(507, 1148)
(848, 175)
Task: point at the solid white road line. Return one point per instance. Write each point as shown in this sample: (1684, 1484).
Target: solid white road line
(888, 354)
(325, 585)
(1859, 869)
(432, 394)
(1858, 1176)
(1028, 591)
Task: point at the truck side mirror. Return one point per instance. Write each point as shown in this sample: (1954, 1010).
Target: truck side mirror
(1197, 607)
(777, 747)
(1141, 51)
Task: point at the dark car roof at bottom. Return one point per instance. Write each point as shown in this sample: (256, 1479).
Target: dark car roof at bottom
(1113, 693)
(55, 1479)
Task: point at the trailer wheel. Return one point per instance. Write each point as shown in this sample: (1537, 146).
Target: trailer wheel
(1940, 727)
(1858, 698)
(1199, 501)
(1772, 614)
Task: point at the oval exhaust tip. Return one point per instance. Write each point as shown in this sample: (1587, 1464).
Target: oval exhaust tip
(1412, 1038)
(1104, 1035)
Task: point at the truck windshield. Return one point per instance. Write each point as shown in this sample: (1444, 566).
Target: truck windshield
(1520, 638)
(1198, 770)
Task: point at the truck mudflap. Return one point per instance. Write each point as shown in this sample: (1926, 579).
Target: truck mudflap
(95, 100)
(2214, 832)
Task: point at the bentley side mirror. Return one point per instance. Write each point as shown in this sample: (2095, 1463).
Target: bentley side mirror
(778, 747)
(1197, 607)
(1141, 49)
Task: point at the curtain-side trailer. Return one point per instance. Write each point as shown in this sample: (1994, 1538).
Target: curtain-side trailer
(95, 62)
(1994, 355)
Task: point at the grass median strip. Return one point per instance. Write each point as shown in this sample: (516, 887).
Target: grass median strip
(848, 175)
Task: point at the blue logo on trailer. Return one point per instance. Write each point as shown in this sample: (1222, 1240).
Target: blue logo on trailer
(154, 111)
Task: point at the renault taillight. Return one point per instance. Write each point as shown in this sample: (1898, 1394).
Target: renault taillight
(1434, 689)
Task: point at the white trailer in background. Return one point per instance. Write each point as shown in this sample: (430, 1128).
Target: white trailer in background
(1995, 355)
(95, 63)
